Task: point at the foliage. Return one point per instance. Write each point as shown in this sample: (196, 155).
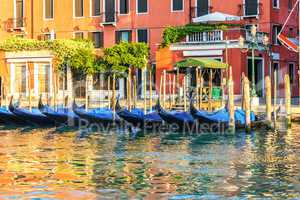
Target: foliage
(176, 34)
(119, 58)
(78, 54)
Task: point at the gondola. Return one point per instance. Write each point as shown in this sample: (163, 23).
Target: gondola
(177, 120)
(138, 118)
(8, 117)
(98, 116)
(219, 118)
(61, 115)
(33, 117)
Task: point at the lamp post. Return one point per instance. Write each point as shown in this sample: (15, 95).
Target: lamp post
(252, 44)
(268, 48)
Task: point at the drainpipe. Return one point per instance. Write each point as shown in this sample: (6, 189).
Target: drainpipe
(32, 22)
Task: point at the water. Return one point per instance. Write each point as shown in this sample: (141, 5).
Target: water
(49, 165)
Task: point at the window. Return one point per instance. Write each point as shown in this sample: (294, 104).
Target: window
(47, 36)
(142, 35)
(275, 3)
(96, 7)
(123, 36)
(202, 7)
(124, 7)
(292, 72)
(276, 70)
(97, 39)
(290, 5)
(142, 6)
(19, 9)
(251, 7)
(78, 8)
(20, 78)
(177, 5)
(275, 32)
(43, 78)
(48, 9)
(63, 80)
(78, 35)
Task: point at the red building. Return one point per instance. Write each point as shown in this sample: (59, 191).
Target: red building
(267, 15)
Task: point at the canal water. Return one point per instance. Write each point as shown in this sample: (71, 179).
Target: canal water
(46, 164)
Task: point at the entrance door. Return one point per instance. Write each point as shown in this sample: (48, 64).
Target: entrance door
(258, 73)
(20, 79)
(110, 11)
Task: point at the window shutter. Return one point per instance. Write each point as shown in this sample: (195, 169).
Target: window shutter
(177, 5)
(142, 35)
(118, 36)
(251, 7)
(78, 8)
(101, 39)
(202, 7)
(96, 9)
(124, 6)
(142, 6)
(129, 36)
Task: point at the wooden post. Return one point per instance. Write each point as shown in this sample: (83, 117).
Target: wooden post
(174, 90)
(231, 102)
(113, 101)
(145, 90)
(184, 93)
(160, 88)
(169, 90)
(134, 91)
(268, 99)
(243, 102)
(197, 86)
(150, 89)
(210, 91)
(288, 100)
(86, 93)
(275, 98)
(108, 90)
(299, 82)
(164, 88)
(247, 104)
(178, 85)
(201, 88)
(63, 97)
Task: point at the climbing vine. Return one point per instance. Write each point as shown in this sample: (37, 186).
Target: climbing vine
(78, 54)
(175, 34)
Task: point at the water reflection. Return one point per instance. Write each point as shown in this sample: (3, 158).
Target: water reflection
(47, 164)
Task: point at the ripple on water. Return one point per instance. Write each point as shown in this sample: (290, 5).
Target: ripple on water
(42, 164)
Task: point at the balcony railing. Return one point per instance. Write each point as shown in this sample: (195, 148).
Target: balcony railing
(218, 36)
(204, 37)
(15, 24)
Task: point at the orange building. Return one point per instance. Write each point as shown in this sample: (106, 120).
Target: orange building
(106, 22)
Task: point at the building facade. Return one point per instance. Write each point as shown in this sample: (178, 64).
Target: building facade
(107, 22)
(268, 16)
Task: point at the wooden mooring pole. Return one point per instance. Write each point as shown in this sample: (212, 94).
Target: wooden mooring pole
(268, 100)
(288, 100)
(247, 103)
(231, 103)
(184, 94)
(164, 88)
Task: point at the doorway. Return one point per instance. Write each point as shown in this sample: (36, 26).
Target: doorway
(258, 74)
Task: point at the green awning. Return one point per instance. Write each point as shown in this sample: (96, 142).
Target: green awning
(201, 62)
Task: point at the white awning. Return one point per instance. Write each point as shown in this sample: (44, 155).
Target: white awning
(216, 17)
